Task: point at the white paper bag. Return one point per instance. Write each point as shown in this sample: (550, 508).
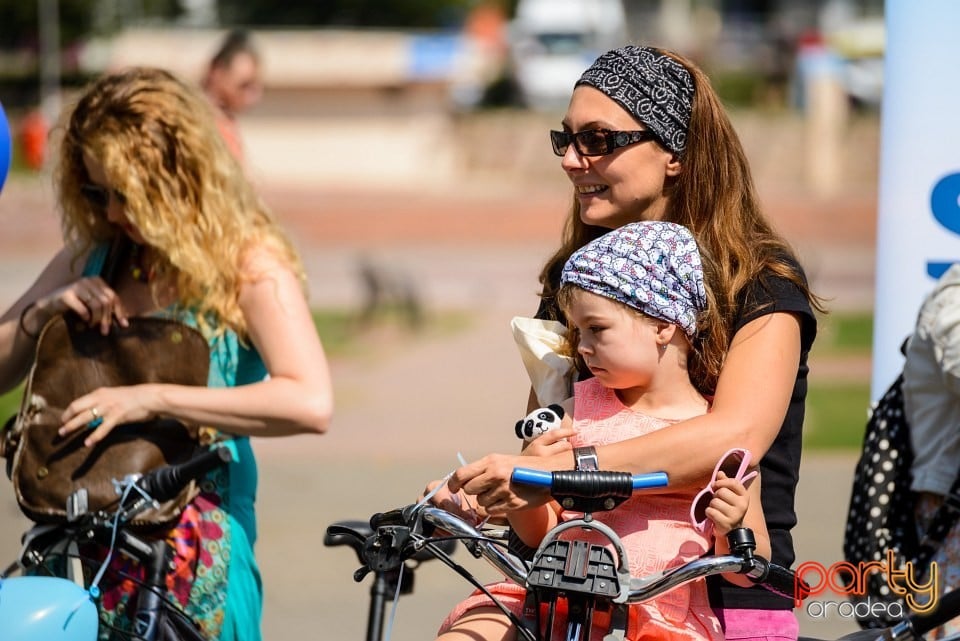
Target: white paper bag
(543, 347)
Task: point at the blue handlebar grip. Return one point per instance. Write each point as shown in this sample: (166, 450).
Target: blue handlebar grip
(653, 479)
(539, 478)
(529, 476)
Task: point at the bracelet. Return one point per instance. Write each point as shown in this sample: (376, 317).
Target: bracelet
(585, 459)
(23, 327)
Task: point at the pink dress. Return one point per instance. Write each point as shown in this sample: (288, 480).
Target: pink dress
(655, 530)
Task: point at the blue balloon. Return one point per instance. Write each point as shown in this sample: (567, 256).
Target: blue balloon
(46, 608)
(6, 147)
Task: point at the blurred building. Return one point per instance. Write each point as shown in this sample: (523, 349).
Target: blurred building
(331, 97)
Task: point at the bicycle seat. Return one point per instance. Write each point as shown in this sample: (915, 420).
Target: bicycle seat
(355, 533)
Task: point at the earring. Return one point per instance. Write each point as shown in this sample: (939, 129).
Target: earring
(663, 347)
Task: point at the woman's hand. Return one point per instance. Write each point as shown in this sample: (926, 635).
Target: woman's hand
(459, 503)
(91, 298)
(489, 480)
(103, 409)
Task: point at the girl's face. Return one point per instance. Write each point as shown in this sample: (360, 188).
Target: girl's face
(104, 197)
(625, 186)
(618, 345)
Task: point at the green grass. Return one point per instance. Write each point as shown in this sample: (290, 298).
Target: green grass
(836, 416)
(844, 334)
(837, 410)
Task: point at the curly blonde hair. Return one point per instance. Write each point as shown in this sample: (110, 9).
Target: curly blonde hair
(186, 194)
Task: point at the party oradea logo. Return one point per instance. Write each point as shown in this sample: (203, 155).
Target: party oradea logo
(910, 590)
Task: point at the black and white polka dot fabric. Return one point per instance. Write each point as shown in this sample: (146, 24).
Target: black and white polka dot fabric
(881, 514)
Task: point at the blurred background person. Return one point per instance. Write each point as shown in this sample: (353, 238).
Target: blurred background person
(233, 83)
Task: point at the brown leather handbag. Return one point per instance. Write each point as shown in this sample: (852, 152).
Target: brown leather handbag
(73, 359)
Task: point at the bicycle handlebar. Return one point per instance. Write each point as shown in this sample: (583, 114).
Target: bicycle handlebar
(589, 491)
(165, 483)
(587, 483)
(515, 569)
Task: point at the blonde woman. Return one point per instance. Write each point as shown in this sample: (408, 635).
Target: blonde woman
(142, 166)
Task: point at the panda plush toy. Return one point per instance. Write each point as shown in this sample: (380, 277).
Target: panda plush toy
(539, 421)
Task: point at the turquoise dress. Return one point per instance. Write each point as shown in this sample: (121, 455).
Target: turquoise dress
(215, 579)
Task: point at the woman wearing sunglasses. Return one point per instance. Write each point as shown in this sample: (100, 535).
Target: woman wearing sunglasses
(142, 167)
(646, 138)
(634, 298)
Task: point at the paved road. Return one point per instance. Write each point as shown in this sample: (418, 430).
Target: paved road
(405, 410)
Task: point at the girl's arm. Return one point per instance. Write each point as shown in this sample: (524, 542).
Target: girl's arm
(533, 524)
(734, 506)
(751, 400)
(297, 397)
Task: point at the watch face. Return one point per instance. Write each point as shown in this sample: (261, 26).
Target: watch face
(585, 459)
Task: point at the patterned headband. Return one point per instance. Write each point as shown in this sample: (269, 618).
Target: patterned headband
(653, 88)
(652, 266)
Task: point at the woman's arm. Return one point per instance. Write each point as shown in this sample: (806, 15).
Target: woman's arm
(57, 288)
(751, 401)
(297, 397)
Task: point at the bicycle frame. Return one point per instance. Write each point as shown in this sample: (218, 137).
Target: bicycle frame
(590, 574)
(45, 608)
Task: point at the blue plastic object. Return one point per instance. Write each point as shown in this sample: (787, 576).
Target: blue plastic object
(540, 478)
(6, 147)
(45, 608)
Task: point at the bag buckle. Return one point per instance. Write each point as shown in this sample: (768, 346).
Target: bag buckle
(77, 505)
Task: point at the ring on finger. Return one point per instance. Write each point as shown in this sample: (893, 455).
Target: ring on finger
(97, 420)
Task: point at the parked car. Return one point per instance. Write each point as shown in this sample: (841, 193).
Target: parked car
(553, 41)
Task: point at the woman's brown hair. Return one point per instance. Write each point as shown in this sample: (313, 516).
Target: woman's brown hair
(714, 197)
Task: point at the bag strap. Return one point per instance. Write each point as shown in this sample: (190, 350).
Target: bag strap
(116, 255)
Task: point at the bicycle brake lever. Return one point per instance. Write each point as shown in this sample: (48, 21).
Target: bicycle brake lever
(360, 573)
(385, 550)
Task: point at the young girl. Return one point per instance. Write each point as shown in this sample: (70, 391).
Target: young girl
(633, 298)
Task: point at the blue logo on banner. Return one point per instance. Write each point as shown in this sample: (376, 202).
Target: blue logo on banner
(945, 204)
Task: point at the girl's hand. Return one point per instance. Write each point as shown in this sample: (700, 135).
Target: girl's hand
(550, 443)
(91, 298)
(729, 504)
(105, 408)
(459, 503)
(489, 480)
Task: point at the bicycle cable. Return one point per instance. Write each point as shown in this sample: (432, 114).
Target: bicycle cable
(472, 580)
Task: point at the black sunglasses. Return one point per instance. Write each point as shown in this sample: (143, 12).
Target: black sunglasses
(597, 142)
(99, 196)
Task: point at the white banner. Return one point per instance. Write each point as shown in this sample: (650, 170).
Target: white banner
(918, 224)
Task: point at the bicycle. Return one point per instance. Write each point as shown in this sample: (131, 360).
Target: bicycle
(44, 607)
(589, 578)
